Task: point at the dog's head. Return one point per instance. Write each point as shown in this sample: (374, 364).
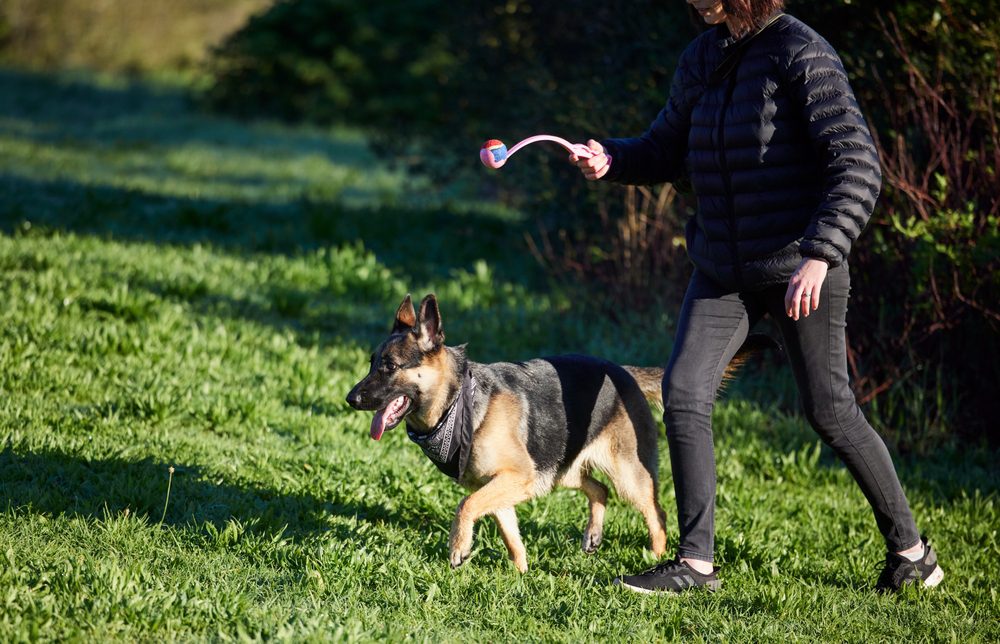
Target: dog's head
(406, 370)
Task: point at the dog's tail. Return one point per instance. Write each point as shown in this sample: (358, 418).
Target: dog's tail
(650, 379)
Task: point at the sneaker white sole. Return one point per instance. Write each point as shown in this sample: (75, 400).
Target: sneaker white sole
(711, 586)
(637, 589)
(934, 578)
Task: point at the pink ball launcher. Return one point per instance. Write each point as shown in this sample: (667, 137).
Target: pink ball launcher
(494, 153)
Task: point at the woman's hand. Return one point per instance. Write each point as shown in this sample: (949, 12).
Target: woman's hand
(802, 295)
(596, 166)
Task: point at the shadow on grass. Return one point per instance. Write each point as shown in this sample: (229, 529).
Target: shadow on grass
(55, 483)
(92, 160)
(419, 244)
(416, 246)
(47, 108)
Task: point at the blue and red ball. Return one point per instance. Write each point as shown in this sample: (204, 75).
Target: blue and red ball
(493, 154)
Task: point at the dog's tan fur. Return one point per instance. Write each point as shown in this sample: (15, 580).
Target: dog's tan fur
(433, 377)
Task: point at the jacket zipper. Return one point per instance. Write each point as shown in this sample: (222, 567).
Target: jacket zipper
(727, 183)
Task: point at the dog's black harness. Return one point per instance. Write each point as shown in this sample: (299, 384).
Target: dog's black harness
(449, 443)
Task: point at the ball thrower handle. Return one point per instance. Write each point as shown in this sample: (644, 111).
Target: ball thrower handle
(578, 149)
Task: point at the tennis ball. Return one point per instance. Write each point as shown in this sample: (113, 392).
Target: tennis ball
(493, 154)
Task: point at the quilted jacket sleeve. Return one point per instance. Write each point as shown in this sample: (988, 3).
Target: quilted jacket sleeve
(658, 155)
(848, 161)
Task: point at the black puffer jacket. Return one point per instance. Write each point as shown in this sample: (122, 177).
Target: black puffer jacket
(780, 158)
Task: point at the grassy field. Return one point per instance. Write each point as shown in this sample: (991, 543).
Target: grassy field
(118, 35)
(189, 292)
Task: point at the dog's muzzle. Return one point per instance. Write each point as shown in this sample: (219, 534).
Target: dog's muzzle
(355, 399)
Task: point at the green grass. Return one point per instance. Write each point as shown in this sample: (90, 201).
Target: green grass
(189, 292)
(119, 35)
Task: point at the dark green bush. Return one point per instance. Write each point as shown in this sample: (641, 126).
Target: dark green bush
(337, 61)
(4, 32)
(433, 80)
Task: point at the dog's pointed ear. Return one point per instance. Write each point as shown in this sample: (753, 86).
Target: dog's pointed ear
(430, 333)
(406, 317)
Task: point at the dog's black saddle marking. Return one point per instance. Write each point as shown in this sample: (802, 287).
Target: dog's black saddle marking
(448, 445)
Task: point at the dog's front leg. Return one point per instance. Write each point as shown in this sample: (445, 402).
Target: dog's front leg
(505, 490)
(506, 519)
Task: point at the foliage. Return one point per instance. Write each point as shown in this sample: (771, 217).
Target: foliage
(370, 64)
(928, 74)
(181, 291)
(633, 259)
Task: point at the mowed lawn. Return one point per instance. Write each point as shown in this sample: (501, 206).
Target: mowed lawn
(182, 291)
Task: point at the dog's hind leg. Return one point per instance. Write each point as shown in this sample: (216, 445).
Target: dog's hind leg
(506, 519)
(505, 490)
(628, 456)
(642, 494)
(634, 483)
(597, 495)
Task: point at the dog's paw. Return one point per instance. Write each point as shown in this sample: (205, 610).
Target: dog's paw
(459, 556)
(592, 541)
(459, 545)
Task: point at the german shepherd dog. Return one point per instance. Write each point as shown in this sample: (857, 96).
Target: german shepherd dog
(529, 426)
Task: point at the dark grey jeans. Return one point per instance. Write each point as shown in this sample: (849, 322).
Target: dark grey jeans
(714, 321)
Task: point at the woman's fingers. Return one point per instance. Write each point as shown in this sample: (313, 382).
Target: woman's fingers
(789, 298)
(799, 303)
(600, 167)
(802, 295)
(793, 299)
(806, 301)
(593, 167)
(798, 297)
(602, 162)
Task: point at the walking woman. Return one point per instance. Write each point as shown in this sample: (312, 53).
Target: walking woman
(762, 119)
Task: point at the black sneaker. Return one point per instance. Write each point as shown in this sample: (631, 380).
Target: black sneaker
(900, 571)
(671, 577)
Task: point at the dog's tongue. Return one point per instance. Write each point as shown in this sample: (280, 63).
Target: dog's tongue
(388, 415)
(378, 424)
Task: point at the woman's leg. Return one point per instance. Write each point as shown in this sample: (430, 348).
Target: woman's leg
(713, 324)
(817, 349)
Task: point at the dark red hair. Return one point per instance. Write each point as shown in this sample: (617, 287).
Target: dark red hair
(749, 12)
(752, 12)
